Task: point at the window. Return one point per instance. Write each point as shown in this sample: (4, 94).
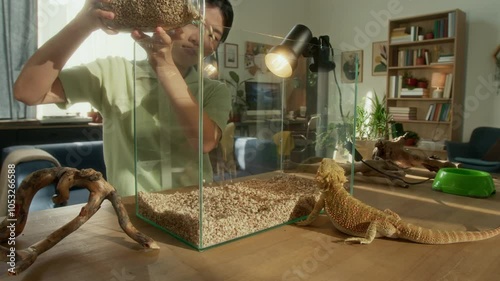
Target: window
(53, 15)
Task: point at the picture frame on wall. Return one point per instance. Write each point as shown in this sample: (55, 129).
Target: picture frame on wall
(230, 55)
(348, 66)
(379, 58)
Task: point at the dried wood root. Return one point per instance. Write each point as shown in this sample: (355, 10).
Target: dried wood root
(395, 151)
(65, 178)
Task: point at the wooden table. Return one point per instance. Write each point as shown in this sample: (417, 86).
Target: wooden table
(99, 250)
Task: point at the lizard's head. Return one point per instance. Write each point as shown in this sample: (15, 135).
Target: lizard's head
(330, 175)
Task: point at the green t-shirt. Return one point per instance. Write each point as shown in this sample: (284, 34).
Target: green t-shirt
(164, 157)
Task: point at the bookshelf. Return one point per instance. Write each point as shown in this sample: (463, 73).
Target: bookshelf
(418, 47)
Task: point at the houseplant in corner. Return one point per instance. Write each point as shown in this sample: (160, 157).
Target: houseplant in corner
(371, 125)
(239, 104)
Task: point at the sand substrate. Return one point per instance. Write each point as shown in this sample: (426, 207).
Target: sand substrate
(231, 210)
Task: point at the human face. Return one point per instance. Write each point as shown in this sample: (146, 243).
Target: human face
(185, 47)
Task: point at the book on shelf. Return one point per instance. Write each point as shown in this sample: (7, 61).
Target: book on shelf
(448, 84)
(451, 24)
(441, 28)
(445, 27)
(396, 83)
(401, 38)
(450, 58)
(438, 112)
(414, 93)
(442, 62)
(400, 31)
(405, 34)
(403, 113)
(403, 117)
(402, 109)
(415, 30)
(427, 57)
(409, 57)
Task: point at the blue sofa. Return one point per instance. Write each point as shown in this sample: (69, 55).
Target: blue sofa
(481, 152)
(79, 155)
(252, 156)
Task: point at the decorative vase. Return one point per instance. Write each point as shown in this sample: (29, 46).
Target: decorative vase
(422, 84)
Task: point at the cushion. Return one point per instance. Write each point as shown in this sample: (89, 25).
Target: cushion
(477, 162)
(493, 154)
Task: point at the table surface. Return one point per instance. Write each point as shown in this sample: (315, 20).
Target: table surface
(99, 250)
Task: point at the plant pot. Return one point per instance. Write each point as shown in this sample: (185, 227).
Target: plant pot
(422, 84)
(365, 148)
(410, 142)
(420, 61)
(411, 82)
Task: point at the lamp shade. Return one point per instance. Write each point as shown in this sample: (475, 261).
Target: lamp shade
(437, 80)
(282, 59)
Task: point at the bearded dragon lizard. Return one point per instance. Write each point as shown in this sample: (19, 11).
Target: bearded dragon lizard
(353, 217)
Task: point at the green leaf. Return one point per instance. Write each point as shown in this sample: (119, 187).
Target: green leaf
(234, 76)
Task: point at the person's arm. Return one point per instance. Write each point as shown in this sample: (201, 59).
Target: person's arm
(172, 81)
(38, 81)
(186, 108)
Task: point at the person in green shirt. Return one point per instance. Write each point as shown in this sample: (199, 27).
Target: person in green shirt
(161, 91)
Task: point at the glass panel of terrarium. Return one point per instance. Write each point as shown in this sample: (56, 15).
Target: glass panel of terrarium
(273, 124)
(170, 164)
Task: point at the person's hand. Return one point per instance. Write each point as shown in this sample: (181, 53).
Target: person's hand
(158, 46)
(93, 16)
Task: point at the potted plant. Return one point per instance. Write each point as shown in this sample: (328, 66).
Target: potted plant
(239, 104)
(411, 138)
(422, 83)
(371, 125)
(409, 81)
(336, 136)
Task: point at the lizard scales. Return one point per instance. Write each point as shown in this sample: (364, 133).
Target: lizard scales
(356, 218)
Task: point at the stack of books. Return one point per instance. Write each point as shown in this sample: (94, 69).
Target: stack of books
(403, 113)
(446, 58)
(414, 93)
(400, 35)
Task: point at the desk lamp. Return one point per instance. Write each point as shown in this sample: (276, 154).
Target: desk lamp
(282, 59)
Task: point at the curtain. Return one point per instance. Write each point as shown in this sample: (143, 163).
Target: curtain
(18, 41)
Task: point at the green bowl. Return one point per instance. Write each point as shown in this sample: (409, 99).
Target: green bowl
(465, 182)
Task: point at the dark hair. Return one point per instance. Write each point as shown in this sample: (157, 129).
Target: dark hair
(227, 14)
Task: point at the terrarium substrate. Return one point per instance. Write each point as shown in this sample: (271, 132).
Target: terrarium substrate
(148, 14)
(231, 210)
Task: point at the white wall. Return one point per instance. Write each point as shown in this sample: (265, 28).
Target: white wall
(355, 24)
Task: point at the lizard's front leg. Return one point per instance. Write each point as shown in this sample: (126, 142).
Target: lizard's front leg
(382, 228)
(320, 204)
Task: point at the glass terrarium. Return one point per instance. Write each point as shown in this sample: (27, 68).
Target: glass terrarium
(247, 182)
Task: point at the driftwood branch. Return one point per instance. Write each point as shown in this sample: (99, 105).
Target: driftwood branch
(384, 169)
(64, 178)
(395, 151)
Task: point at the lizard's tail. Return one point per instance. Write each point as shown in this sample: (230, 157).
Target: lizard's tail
(429, 236)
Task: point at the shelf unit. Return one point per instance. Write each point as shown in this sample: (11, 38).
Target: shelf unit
(450, 126)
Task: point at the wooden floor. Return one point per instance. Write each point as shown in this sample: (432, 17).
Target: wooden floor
(99, 250)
